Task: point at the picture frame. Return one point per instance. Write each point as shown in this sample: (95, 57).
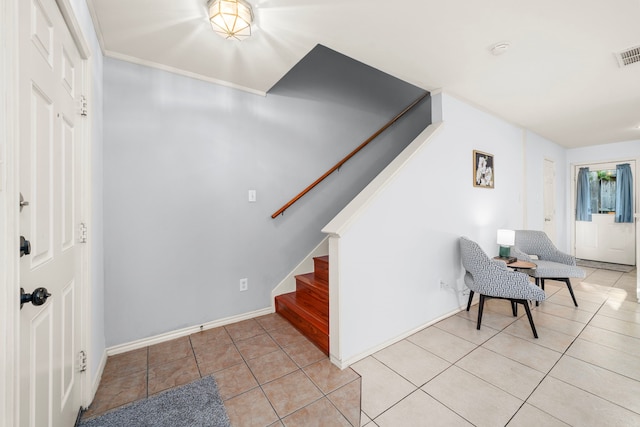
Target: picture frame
(483, 169)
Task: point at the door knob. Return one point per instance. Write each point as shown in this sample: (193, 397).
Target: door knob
(38, 297)
(25, 246)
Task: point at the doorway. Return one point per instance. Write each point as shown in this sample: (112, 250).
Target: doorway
(603, 239)
(549, 199)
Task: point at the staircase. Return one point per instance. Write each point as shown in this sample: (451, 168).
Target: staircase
(307, 309)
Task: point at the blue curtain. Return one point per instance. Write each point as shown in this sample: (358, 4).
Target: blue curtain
(624, 193)
(583, 202)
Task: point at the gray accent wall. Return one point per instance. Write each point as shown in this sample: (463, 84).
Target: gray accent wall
(180, 155)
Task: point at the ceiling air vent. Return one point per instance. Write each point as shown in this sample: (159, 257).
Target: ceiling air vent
(629, 56)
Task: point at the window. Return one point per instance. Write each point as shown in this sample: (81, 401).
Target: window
(602, 185)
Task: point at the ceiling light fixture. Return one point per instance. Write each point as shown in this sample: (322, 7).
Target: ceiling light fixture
(231, 19)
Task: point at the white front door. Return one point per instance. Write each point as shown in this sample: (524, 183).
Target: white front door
(549, 196)
(51, 144)
(603, 239)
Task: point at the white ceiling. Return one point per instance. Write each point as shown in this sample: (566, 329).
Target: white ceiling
(559, 78)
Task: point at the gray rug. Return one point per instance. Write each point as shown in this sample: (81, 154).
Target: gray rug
(197, 404)
(605, 265)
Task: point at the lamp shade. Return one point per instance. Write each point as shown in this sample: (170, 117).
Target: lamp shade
(231, 19)
(506, 237)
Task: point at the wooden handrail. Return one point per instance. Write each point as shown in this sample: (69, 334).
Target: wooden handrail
(348, 156)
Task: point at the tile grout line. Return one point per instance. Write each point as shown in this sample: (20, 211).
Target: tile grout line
(193, 351)
(419, 388)
(563, 354)
(244, 360)
(301, 369)
(503, 330)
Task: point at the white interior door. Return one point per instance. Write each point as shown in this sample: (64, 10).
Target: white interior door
(602, 239)
(637, 218)
(549, 196)
(50, 127)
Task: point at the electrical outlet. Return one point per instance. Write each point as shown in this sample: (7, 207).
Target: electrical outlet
(244, 284)
(252, 196)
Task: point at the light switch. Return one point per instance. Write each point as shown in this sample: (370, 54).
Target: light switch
(252, 195)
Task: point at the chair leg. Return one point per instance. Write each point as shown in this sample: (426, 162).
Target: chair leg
(573, 297)
(470, 298)
(542, 283)
(480, 307)
(526, 308)
(514, 308)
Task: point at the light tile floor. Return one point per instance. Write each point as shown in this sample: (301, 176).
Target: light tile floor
(267, 374)
(583, 370)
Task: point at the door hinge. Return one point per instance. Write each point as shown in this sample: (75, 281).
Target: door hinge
(82, 361)
(83, 106)
(82, 238)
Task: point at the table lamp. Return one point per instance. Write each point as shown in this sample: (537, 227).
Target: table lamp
(506, 239)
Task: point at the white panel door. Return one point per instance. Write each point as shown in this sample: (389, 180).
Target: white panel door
(604, 240)
(549, 195)
(50, 154)
(637, 217)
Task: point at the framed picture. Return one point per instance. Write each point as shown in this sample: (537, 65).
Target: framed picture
(483, 169)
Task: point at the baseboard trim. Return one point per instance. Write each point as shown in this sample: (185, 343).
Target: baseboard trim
(98, 377)
(343, 364)
(94, 383)
(168, 336)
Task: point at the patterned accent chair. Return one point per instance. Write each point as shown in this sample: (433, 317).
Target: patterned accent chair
(492, 279)
(551, 263)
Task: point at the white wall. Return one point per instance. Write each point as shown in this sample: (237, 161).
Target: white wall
(393, 256)
(180, 155)
(604, 152)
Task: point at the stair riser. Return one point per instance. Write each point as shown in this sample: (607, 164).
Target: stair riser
(315, 305)
(307, 308)
(321, 287)
(319, 298)
(304, 283)
(315, 335)
(321, 268)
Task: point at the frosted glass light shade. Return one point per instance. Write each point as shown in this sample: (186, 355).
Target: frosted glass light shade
(231, 19)
(506, 237)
